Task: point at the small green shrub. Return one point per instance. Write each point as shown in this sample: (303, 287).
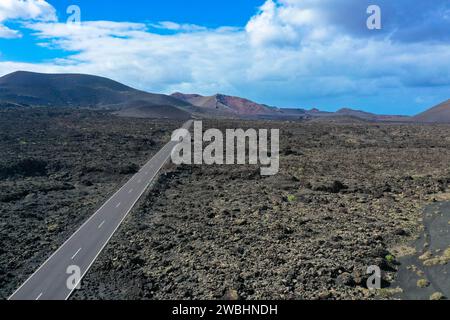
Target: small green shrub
(291, 198)
(390, 258)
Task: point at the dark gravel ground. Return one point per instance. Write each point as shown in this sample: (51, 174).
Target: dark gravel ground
(57, 166)
(348, 196)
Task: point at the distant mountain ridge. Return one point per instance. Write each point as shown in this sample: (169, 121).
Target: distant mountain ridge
(224, 105)
(370, 116)
(24, 88)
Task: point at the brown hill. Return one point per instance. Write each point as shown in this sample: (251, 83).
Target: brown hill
(437, 114)
(84, 91)
(220, 104)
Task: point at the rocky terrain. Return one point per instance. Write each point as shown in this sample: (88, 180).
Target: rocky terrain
(348, 196)
(57, 166)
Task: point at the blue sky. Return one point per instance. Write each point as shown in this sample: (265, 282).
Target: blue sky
(202, 12)
(287, 53)
(207, 13)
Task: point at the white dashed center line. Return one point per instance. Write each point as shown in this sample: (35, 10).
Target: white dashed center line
(118, 205)
(101, 224)
(39, 296)
(131, 190)
(73, 257)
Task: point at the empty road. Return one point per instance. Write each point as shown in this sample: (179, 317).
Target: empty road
(54, 279)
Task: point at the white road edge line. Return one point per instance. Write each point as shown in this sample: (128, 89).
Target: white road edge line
(94, 215)
(73, 257)
(39, 296)
(70, 238)
(126, 214)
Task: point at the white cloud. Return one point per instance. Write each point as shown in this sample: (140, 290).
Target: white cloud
(22, 10)
(173, 26)
(288, 22)
(8, 33)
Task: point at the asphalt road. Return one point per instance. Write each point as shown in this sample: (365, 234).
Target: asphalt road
(57, 277)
